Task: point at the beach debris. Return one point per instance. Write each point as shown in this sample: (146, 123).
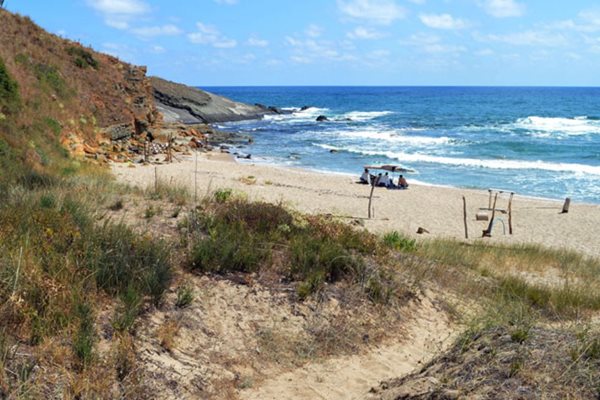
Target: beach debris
(322, 118)
(421, 231)
(566, 206)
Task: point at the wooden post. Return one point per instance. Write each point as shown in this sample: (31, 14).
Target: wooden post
(566, 206)
(155, 179)
(145, 151)
(196, 180)
(488, 231)
(510, 227)
(169, 148)
(490, 199)
(465, 217)
(371, 197)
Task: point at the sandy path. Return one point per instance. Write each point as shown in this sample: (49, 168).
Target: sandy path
(427, 334)
(437, 209)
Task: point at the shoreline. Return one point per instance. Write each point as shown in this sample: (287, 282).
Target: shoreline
(437, 209)
(411, 181)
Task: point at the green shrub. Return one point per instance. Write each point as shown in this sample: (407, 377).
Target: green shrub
(83, 343)
(10, 101)
(185, 296)
(82, 57)
(51, 78)
(397, 241)
(223, 195)
(228, 248)
(120, 259)
(128, 310)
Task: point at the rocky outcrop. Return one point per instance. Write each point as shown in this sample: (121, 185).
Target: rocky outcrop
(184, 104)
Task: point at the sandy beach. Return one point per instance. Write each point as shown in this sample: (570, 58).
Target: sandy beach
(437, 209)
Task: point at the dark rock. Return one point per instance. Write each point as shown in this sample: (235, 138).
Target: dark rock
(184, 104)
(119, 132)
(304, 108)
(322, 118)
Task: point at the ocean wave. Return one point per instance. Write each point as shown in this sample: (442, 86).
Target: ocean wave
(395, 136)
(365, 115)
(297, 115)
(479, 163)
(550, 125)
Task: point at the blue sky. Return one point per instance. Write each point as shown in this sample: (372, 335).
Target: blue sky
(339, 42)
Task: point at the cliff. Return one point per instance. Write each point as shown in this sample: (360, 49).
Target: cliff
(184, 104)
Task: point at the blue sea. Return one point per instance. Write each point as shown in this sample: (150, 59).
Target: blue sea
(542, 142)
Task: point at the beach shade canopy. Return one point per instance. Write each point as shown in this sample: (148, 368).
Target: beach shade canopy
(390, 167)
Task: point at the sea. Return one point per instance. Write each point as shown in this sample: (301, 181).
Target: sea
(534, 141)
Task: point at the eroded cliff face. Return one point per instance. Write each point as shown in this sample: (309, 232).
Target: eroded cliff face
(70, 92)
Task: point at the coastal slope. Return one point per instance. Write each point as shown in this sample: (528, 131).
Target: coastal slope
(188, 105)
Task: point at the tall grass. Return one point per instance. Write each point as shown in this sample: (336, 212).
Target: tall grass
(234, 235)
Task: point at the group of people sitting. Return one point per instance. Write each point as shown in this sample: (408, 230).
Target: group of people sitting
(383, 180)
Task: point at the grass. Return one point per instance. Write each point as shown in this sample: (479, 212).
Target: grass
(185, 296)
(10, 100)
(397, 241)
(234, 235)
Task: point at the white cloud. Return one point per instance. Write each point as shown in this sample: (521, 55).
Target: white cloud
(485, 52)
(442, 21)
(257, 42)
(118, 13)
(527, 38)
(376, 11)
(157, 49)
(314, 31)
(361, 32)
(127, 7)
(228, 2)
(152, 31)
(503, 8)
(432, 44)
(308, 50)
(209, 35)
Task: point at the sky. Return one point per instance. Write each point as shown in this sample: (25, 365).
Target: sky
(339, 42)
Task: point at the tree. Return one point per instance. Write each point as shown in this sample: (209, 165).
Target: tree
(2, 3)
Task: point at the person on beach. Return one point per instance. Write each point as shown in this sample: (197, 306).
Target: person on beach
(402, 183)
(384, 180)
(364, 178)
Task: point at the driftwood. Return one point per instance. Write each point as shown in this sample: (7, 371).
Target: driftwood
(465, 217)
(421, 231)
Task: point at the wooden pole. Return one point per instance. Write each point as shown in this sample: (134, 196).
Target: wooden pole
(490, 199)
(155, 179)
(371, 197)
(510, 227)
(465, 217)
(196, 180)
(566, 206)
(488, 231)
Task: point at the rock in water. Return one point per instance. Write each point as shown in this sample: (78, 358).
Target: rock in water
(322, 118)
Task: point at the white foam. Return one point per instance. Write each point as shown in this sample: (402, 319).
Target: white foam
(365, 115)
(395, 136)
(548, 125)
(473, 162)
(310, 114)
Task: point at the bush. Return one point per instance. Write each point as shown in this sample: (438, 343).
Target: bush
(397, 241)
(82, 57)
(228, 248)
(10, 101)
(185, 296)
(120, 260)
(83, 344)
(223, 195)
